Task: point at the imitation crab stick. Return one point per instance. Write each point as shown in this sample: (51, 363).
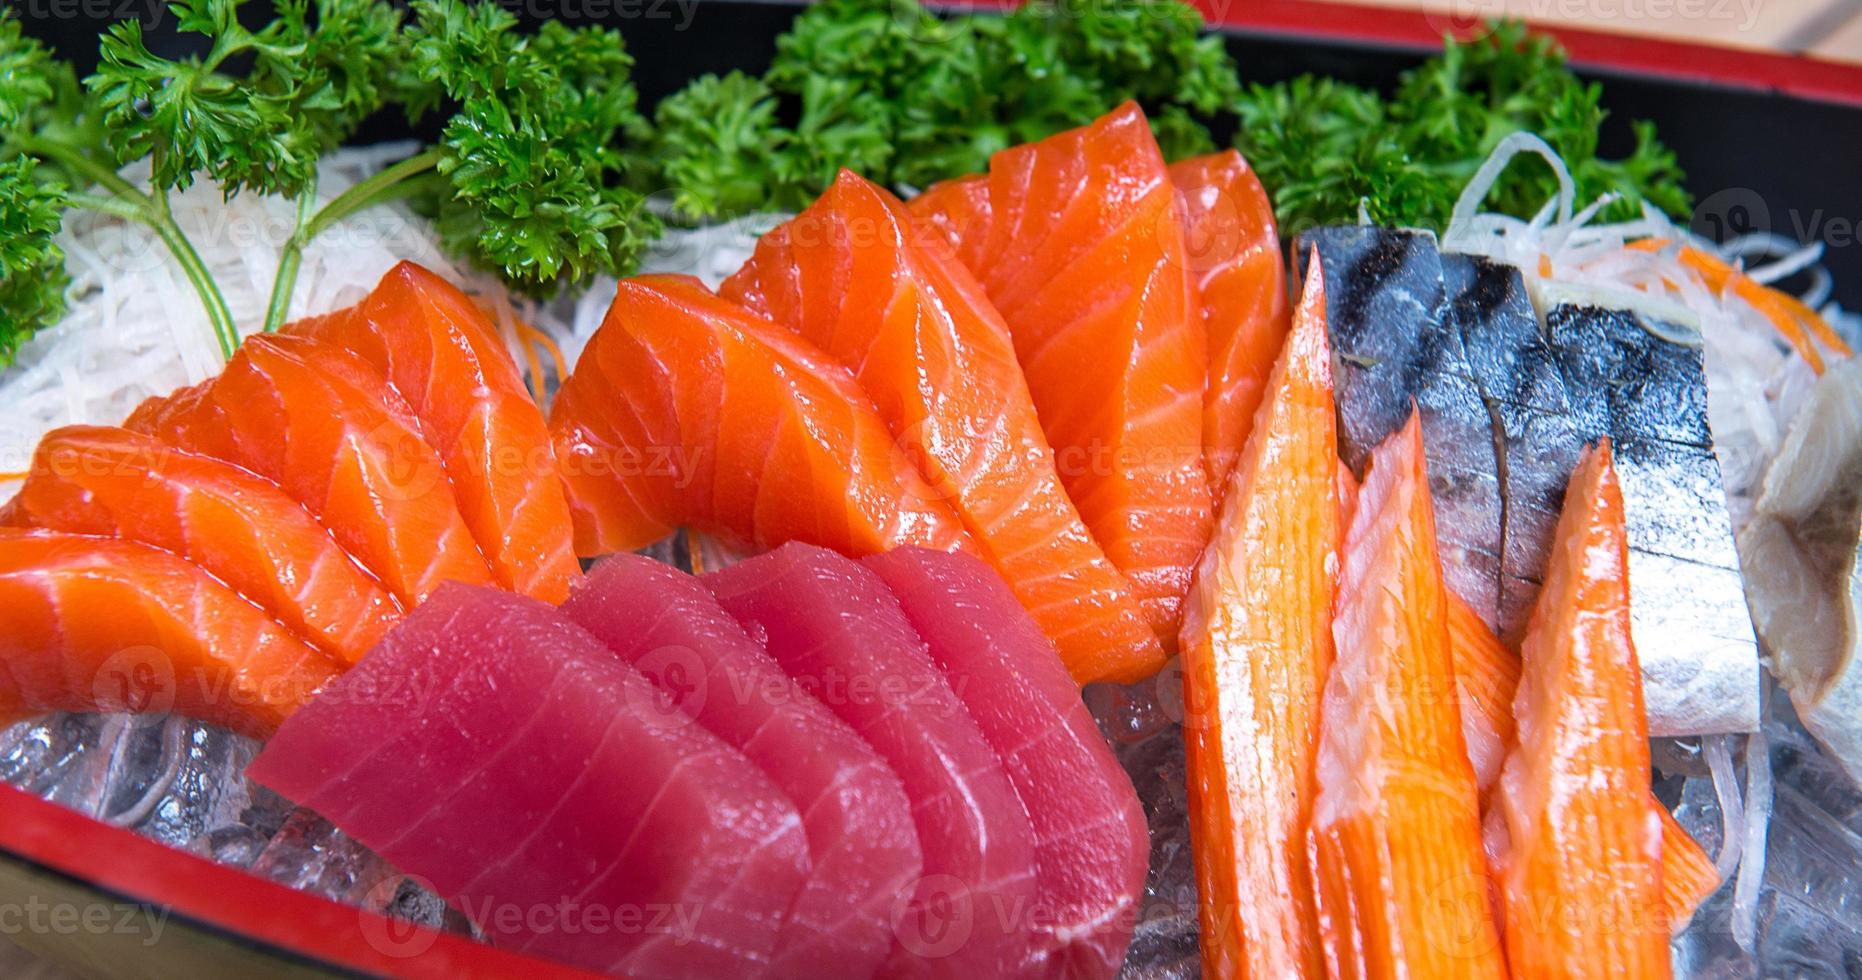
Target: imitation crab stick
(1580, 872)
(1257, 642)
(1395, 840)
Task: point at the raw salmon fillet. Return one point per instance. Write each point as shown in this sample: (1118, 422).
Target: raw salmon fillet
(836, 629)
(1581, 872)
(1078, 242)
(1092, 846)
(1257, 643)
(332, 432)
(532, 770)
(858, 277)
(98, 624)
(444, 356)
(687, 409)
(238, 527)
(1241, 286)
(862, 846)
(1395, 843)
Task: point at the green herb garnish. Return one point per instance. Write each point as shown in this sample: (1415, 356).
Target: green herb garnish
(1324, 149)
(907, 98)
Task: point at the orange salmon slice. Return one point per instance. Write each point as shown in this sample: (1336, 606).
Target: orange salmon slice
(443, 355)
(98, 624)
(330, 430)
(688, 410)
(1077, 240)
(1240, 277)
(1257, 643)
(861, 279)
(1395, 839)
(238, 527)
(1581, 867)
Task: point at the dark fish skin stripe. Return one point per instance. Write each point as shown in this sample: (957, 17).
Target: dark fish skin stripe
(1508, 403)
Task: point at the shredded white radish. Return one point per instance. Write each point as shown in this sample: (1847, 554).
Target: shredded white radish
(136, 327)
(1719, 753)
(1758, 825)
(1755, 380)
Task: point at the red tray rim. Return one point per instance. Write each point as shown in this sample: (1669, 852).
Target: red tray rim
(219, 898)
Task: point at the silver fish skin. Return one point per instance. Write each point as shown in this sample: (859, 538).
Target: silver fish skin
(1508, 400)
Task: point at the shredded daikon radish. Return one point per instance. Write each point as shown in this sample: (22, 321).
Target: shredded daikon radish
(1719, 753)
(1745, 913)
(136, 327)
(1755, 380)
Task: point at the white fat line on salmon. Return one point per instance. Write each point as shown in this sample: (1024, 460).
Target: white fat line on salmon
(571, 917)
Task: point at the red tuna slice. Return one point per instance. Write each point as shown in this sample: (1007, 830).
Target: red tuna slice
(836, 628)
(503, 753)
(444, 356)
(1091, 843)
(863, 849)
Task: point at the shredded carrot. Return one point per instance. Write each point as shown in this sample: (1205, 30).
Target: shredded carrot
(1545, 266)
(1797, 322)
(16, 475)
(533, 338)
(694, 552)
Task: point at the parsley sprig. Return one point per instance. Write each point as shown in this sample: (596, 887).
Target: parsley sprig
(1324, 148)
(526, 178)
(907, 98)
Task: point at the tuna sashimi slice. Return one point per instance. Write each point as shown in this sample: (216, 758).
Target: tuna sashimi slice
(238, 527)
(98, 624)
(444, 356)
(687, 409)
(1395, 843)
(1580, 873)
(331, 431)
(862, 845)
(531, 776)
(837, 629)
(1257, 643)
(1240, 277)
(1078, 241)
(859, 277)
(1091, 842)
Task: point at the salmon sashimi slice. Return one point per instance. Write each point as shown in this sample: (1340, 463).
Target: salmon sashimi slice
(862, 846)
(238, 527)
(330, 430)
(1078, 242)
(99, 624)
(1395, 843)
(858, 277)
(835, 627)
(1257, 643)
(1581, 871)
(443, 355)
(1092, 847)
(1241, 286)
(505, 755)
(687, 409)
